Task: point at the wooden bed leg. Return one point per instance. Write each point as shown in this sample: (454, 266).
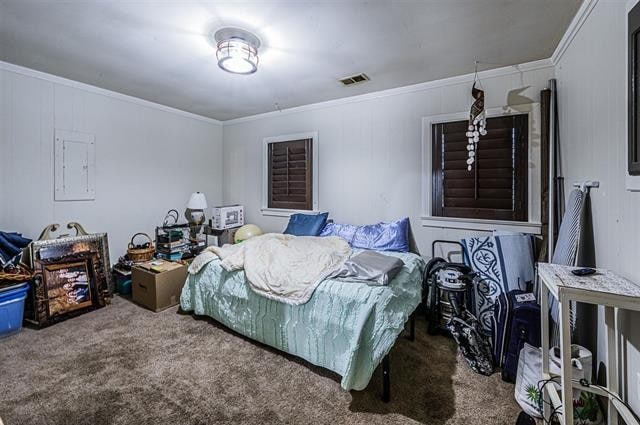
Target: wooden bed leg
(386, 380)
(412, 327)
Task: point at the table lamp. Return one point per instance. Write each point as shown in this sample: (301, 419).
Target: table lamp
(195, 213)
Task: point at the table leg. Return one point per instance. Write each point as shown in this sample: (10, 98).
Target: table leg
(565, 354)
(612, 360)
(544, 327)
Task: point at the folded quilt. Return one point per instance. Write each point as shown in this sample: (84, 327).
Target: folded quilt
(284, 268)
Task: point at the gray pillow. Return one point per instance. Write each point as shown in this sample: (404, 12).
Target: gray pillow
(370, 267)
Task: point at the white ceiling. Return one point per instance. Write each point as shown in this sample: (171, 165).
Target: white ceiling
(159, 51)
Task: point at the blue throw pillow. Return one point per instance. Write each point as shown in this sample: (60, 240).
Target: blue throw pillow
(306, 224)
(392, 236)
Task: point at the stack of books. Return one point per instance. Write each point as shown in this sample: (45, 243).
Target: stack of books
(168, 249)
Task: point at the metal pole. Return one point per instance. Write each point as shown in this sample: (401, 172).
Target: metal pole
(552, 167)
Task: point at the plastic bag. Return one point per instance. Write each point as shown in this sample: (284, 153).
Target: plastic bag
(528, 393)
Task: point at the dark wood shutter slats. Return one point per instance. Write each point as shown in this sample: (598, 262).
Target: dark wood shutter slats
(486, 193)
(496, 188)
(290, 174)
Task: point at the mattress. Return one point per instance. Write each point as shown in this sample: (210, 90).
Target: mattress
(346, 327)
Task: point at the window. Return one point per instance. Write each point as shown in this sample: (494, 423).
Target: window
(290, 172)
(496, 187)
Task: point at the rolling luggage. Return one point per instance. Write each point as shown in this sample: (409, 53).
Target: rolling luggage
(516, 320)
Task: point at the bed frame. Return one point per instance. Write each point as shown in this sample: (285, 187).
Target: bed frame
(386, 369)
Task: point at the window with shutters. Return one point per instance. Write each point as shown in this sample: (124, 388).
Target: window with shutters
(289, 172)
(496, 188)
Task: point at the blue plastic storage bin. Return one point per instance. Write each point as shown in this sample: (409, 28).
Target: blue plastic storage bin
(12, 308)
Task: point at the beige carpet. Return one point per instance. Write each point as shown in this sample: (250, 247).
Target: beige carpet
(126, 365)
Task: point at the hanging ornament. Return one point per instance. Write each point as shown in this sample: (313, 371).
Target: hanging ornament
(477, 120)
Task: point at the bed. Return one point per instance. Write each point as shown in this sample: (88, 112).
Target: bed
(346, 327)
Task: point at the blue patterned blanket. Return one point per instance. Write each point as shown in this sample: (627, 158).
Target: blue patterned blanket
(503, 263)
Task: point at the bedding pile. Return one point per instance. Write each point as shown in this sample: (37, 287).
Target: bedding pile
(284, 268)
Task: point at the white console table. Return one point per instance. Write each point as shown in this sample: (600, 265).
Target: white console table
(604, 288)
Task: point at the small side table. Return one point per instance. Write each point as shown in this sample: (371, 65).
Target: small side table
(603, 288)
(223, 236)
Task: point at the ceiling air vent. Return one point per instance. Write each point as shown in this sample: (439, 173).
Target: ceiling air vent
(354, 79)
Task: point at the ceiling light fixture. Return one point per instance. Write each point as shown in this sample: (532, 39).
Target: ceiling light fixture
(237, 50)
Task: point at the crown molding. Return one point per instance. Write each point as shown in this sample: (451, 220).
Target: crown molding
(574, 27)
(460, 79)
(97, 90)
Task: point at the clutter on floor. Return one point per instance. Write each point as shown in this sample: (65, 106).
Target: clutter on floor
(516, 321)
(157, 284)
(71, 275)
(504, 262)
(12, 308)
(447, 282)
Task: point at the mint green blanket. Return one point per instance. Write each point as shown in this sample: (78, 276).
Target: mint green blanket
(347, 327)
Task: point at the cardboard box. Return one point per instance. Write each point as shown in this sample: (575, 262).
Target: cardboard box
(157, 284)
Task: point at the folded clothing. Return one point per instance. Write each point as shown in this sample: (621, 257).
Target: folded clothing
(393, 236)
(11, 245)
(370, 267)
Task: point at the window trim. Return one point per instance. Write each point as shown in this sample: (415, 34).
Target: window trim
(632, 182)
(533, 225)
(283, 212)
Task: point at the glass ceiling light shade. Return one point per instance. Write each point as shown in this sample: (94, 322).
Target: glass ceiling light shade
(237, 50)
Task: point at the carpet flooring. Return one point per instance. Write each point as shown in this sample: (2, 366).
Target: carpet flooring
(126, 365)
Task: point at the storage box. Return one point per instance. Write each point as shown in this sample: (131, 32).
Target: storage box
(227, 236)
(122, 279)
(12, 308)
(226, 217)
(157, 284)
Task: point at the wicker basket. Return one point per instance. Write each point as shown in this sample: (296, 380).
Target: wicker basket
(138, 255)
(19, 275)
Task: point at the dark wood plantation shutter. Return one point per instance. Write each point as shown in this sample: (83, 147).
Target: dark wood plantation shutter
(496, 186)
(290, 175)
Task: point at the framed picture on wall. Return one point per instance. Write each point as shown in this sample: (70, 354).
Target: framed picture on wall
(633, 153)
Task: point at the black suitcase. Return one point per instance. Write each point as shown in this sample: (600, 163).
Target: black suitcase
(516, 320)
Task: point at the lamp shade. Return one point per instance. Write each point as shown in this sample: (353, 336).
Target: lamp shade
(197, 201)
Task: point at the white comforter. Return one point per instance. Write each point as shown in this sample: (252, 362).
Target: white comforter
(285, 268)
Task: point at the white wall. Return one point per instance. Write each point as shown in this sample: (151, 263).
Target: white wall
(149, 159)
(592, 100)
(370, 163)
